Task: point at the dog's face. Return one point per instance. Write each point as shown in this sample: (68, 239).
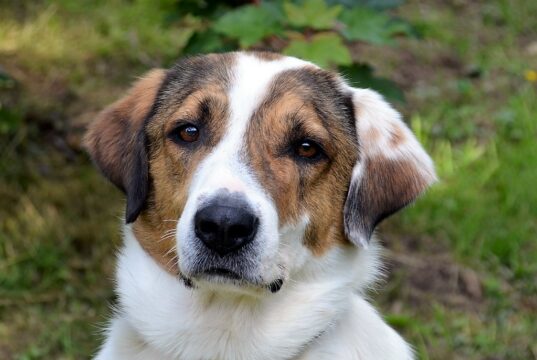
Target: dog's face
(240, 168)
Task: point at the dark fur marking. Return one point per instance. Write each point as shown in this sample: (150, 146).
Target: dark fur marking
(388, 186)
(317, 108)
(117, 143)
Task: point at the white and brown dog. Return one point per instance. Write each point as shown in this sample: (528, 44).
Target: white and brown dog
(254, 182)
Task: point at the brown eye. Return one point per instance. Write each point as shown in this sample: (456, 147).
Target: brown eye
(307, 149)
(188, 133)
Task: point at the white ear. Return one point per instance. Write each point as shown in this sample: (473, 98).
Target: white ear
(392, 169)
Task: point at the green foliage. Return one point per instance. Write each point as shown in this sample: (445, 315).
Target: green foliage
(309, 29)
(368, 25)
(373, 4)
(250, 24)
(326, 49)
(10, 120)
(205, 8)
(208, 41)
(314, 14)
(6, 81)
(501, 226)
(361, 75)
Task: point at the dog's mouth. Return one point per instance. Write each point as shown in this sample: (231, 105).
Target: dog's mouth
(218, 274)
(226, 273)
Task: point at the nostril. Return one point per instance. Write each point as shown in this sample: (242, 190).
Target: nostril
(208, 227)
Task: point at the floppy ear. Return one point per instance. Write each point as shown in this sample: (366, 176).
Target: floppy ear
(392, 168)
(117, 144)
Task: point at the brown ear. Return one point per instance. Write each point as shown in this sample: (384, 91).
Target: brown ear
(392, 168)
(116, 141)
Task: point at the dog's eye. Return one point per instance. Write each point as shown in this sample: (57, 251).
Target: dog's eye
(307, 149)
(186, 133)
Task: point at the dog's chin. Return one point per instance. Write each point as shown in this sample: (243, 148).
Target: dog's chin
(222, 273)
(225, 280)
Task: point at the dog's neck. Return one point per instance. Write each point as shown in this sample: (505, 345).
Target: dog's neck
(185, 322)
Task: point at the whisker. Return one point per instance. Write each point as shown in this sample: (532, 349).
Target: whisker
(168, 232)
(172, 260)
(172, 249)
(166, 238)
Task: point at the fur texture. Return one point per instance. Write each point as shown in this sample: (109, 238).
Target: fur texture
(297, 290)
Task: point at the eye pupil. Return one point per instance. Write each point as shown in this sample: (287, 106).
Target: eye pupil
(189, 133)
(307, 149)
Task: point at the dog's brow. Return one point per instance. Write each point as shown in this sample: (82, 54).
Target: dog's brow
(205, 104)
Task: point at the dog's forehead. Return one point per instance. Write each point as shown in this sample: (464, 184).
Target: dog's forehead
(251, 81)
(247, 80)
(234, 91)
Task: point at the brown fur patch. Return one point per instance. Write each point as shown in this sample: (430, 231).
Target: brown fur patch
(397, 136)
(305, 104)
(112, 133)
(192, 91)
(171, 170)
(372, 136)
(390, 184)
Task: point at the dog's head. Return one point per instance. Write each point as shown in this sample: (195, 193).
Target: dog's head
(239, 168)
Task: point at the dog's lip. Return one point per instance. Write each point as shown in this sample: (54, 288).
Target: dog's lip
(222, 272)
(273, 286)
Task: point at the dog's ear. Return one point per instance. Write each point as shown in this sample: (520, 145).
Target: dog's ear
(392, 168)
(116, 141)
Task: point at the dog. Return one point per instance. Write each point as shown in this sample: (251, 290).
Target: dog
(254, 182)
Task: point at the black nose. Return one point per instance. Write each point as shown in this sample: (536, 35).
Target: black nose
(225, 225)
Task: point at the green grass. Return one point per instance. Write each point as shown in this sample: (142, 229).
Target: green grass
(467, 99)
(482, 134)
(56, 236)
(484, 211)
(486, 201)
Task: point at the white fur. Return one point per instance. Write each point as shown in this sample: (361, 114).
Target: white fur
(369, 335)
(373, 112)
(224, 169)
(159, 318)
(320, 312)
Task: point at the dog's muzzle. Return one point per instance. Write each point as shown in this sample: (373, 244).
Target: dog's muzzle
(225, 242)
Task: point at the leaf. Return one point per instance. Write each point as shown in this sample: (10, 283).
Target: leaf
(368, 25)
(206, 42)
(324, 49)
(250, 24)
(312, 13)
(362, 75)
(401, 27)
(373, 4)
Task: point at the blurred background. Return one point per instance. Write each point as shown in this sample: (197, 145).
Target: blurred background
(462, 262)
